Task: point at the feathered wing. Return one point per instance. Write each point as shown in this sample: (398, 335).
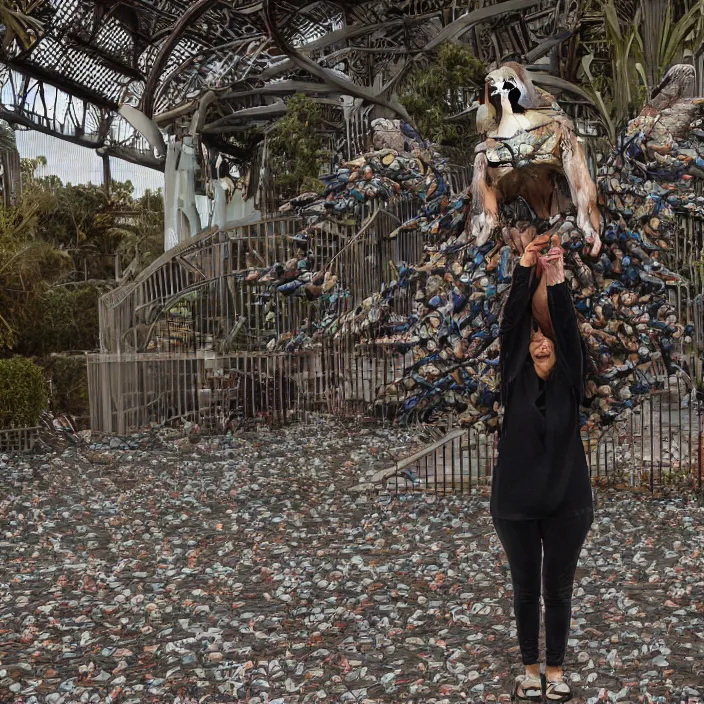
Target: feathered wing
(582, 188)
(676, 84)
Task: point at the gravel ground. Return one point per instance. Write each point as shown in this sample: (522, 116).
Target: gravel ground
(152, 570)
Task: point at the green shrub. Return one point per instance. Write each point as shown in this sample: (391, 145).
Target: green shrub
(23, 394)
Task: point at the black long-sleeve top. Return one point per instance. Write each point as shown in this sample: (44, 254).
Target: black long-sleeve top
(541, 470)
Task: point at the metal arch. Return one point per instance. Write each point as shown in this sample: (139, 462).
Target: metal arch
(467, 21)
(188, 63)
(193, 13)
(346, 33)
(305, 13)
(328, 76)
(184, 48)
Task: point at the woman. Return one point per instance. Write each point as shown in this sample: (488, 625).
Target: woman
(541, 498)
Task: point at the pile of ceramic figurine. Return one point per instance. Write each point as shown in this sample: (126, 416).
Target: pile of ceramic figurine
(383, 175)
(450, 341)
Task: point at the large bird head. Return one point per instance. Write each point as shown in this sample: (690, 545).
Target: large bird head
(510, 81)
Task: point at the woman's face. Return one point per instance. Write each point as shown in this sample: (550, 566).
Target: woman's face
(542, 352)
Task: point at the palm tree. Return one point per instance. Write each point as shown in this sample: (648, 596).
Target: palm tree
(20, 25)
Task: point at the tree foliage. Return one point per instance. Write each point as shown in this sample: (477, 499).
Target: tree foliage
(56, 237)
(27, 268)
(668, 33)
(7, 138)
(436, 93)
(62, 318)
(17, 23)
(92, 226)
(142, 230)
(296, 152)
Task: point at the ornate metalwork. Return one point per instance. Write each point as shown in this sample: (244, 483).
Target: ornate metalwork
(82, 59)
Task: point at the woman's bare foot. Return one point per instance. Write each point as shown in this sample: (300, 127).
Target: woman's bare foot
(553, 674)
(533, 671)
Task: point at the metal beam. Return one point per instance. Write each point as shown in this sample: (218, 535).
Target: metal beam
(164, 118)
(259, 111)
(282, 87)
(192, 14)
(339, 35)
(347, 86)
(462, 24)
(97, 143)
(133, 156)
(39, 73)
(20, 119)
(109, 61)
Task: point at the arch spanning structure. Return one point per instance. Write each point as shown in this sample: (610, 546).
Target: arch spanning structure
(219, 68)
(192, 87)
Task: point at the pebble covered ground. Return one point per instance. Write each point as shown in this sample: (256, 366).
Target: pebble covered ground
(153, 570)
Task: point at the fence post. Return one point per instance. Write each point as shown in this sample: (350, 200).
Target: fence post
(700, 454)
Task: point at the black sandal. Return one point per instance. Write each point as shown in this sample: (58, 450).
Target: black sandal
(527, 689)
(557, 691)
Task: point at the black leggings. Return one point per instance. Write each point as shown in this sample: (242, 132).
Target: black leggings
(560, 541)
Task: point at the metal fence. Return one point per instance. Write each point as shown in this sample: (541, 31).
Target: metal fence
(199, 292)
(207, 273)
(18, 439)
(657, 445)
(129, 392)
(194, 310)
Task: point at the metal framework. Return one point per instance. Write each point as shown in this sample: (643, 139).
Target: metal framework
(225, 67)
(198, 297)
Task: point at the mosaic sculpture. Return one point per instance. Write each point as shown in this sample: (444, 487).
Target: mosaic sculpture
(530, 177)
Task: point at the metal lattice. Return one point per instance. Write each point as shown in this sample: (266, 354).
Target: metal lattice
(82, 59)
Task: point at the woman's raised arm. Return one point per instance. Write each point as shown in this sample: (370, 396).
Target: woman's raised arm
(568, 345)
(514, 326)
(519, 299)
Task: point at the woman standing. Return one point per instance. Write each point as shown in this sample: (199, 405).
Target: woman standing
(541, 498)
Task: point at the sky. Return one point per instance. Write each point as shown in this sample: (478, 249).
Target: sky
(75, 164)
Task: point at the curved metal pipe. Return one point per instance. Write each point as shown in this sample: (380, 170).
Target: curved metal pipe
(329, 77)
(193, 13)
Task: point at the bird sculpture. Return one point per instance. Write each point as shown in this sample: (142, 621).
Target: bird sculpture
(530, 178)
(530, 146)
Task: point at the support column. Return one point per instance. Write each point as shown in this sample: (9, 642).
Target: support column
(107, 176)
(181, 219)
(219, 204)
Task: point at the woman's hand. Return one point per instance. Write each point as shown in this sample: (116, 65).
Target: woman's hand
(553, 263)
(532, 251)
